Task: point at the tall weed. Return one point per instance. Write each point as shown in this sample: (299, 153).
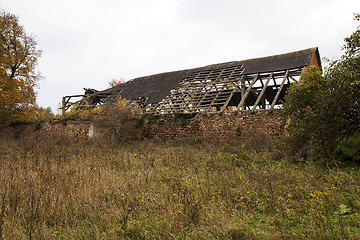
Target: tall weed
(54, 187)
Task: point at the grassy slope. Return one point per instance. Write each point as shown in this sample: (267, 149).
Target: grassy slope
(52, 188)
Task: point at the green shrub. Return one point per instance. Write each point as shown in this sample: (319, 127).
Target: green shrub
(324, 107)
(349, 149)
(121, 121)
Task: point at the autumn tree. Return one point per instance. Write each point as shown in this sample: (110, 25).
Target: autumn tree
(324, 108)
(18, 77)
(116, 82)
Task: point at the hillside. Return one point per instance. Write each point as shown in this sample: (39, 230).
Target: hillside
(54, 187)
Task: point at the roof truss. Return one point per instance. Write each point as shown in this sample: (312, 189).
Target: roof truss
(226, 89)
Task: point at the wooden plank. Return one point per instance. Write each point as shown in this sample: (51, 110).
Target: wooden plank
(101, 95)
(63, 106)
(293, 78)
(204, 96)
(246, 94)
(279, 90)
(275, 84)
(213, 101)
(262, 84)
(242, 89)
(200, 91)
(262, 91)
(231, 95)
(220, 97)
(74, 96)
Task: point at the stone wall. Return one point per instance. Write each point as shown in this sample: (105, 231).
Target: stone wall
(47, 129)
(252, 127)
(260, 125)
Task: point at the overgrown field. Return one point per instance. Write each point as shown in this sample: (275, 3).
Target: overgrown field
(55, 188)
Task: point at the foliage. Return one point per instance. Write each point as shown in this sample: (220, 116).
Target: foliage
(18, 60)
(120, 120)
(44, 114)
(349, 149)
(57, 187)
(325, 108)
(353, 42)
(182, 119)
(116, 82)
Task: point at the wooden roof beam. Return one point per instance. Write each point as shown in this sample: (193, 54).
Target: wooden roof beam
(262, 91)
(279, 90)
(246, 94)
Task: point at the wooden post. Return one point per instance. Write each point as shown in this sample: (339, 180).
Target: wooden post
(279, 91)
(244, 97)
(242, 89)
(262, 91)
(63, 106)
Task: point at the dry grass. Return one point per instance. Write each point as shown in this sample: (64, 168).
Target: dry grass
(53, 187)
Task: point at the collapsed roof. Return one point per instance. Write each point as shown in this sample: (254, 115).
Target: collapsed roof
(258, 83)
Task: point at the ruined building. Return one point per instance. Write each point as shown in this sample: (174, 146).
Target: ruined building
(252, 84)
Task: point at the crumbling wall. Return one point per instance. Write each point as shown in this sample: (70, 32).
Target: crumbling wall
(253, 127)
(48, 129)
(260, 125)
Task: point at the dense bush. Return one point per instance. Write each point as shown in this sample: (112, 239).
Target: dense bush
(349, 149)
(119, 121)
(324, 108)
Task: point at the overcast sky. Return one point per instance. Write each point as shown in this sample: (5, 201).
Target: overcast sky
(87, 43)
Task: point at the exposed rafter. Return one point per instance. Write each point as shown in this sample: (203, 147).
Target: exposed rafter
(259, 83)
(218, 89)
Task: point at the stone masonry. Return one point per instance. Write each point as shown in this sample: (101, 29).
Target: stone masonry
(262, 124)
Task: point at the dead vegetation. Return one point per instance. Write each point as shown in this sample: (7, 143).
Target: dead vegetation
(56, 187)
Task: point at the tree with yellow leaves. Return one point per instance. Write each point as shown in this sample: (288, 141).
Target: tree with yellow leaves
(18, 77)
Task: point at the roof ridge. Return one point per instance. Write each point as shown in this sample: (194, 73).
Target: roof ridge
(232, 63)
(157, 86)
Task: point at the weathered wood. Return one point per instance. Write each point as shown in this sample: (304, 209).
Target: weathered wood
(263, 91)
(242, 91)
(293, 78)
(244, 97)
(279, 90)
(226, 96)
(202, 91)
(63, 105)
(71, 96)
